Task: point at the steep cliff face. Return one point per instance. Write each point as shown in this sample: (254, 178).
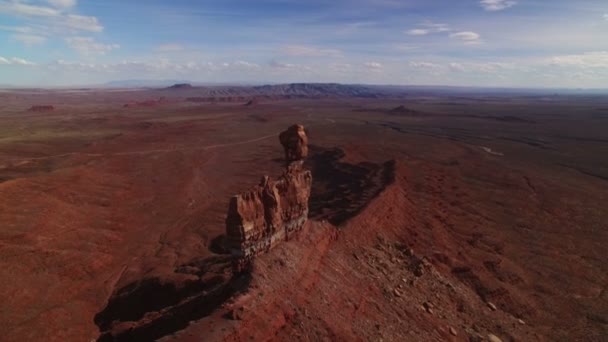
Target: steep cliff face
(273, 210)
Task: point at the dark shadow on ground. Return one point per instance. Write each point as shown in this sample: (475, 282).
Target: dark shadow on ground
(151, 308)
(341, 190)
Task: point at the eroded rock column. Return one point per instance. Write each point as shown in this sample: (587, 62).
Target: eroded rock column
(273, 210)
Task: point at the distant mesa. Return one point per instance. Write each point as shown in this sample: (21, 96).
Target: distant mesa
(402, 110)
(41, 108)
(178, 86)
(218, 99)
(274, 210)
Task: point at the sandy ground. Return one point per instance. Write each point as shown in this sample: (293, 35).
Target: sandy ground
(416, 232)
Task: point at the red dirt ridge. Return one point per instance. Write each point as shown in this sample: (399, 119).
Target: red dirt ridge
(146, 103)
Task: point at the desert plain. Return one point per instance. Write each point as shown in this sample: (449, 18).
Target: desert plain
(435, 215)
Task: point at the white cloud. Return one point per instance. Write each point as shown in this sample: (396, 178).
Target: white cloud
(62, 3)
(472, 68)
(341, 68)
(82, 23)
(171, 47)
(606, 16)
(597, 59)
(436, 27)
(468, 37)
(374, 65)
(18, 8)
(29, 39)
(44, 22)
(245, 65)
(418, 32)
(457, 67)
(88, 46)
(496, 5)
(279, 65)
(428, 27)
(17, 29)
(15, 61)
(405, 47)
(424, 65)
(309, 51)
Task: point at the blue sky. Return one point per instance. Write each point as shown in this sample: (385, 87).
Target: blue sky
(515, 43)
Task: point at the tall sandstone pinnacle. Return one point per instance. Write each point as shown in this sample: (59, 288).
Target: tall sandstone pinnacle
(295, 143)
(274, 210)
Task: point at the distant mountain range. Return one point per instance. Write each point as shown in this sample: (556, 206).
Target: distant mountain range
(143, 83)
(167, 83)
(316, 90)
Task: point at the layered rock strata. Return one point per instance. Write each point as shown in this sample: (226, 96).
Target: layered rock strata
(274, 210)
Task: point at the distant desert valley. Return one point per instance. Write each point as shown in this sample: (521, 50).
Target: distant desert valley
(303, 212)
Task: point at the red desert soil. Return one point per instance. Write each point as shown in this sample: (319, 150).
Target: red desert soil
(416, 232)
(41, 108)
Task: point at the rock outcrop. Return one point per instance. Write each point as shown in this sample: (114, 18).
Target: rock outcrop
(273, 210)
(295, 143)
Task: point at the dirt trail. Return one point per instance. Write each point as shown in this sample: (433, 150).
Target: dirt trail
(162, 150)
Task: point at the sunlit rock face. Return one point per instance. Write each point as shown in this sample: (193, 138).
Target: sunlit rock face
(273, 210)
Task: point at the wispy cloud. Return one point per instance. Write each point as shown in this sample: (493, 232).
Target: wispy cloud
(19, 8)
(29, 39)
(278, 65)
(596, 59)
(45, 20)
(81, 23)
(428, 27)
(463, 67)
(62, 3)
(15, 61)
(374, 65)
(424, 65)
(17, 29)
(436, 27)
(418, 32)
(497, 5)
(468, 37)
(170, 47)
(322, 41)
(406, 47)
(245, 65)
(88, 46)
(310, 51)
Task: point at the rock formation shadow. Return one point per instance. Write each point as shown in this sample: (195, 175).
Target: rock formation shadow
(341, 190)
(151, 308)
(154, 307)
